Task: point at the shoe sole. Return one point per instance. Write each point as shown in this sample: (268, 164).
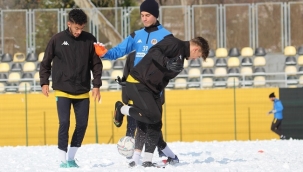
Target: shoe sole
(116, 122)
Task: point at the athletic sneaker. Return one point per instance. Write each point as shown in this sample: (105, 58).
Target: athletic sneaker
(72, 164)
(132, 164)
(64, 165)
(173, 161)
(148, 164)
(118, 117)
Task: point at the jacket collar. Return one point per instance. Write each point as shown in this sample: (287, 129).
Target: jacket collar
(154, 27)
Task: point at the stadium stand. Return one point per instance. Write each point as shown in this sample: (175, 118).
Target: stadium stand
(207, 82)
(180, 83)
(16, 67)
(24, 87)
(40, 56)
(31, 57)
(107, 65)
(6, 58)
(4, 67)
(19, 57)
(195, 63)
(118, 64)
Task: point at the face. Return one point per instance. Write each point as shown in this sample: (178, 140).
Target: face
(75, 29)
(195, 52)
(147, 19)
(272, 99)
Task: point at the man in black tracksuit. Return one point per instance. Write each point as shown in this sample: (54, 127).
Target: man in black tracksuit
(148, 79)
(70, 57)
(132, 124)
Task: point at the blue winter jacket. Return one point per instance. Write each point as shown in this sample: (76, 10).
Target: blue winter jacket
(140, 41)
(279, 108)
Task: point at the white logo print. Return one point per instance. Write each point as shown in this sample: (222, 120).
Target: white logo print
(65, 43)
(180, 57)
(139, 41)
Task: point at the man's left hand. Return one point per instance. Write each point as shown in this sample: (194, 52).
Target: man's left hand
(96, 94)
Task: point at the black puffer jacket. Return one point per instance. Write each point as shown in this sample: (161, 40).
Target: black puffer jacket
(152, 71)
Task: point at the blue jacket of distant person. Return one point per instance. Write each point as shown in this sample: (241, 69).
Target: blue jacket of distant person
(279, 108)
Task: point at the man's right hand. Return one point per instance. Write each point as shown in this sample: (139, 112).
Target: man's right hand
(45, 90)
(121, 81)
(100, 49)
(175, 64)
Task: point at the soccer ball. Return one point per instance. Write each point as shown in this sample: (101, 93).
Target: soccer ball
(126, 146)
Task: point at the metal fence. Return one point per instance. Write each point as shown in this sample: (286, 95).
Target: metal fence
(269, 25)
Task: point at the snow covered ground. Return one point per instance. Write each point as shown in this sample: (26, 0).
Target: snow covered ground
(229, 156)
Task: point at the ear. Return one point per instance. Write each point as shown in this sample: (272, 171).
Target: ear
(69, 24)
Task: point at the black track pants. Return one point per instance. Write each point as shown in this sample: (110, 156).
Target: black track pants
(147, 106)
(276, 126)
(81, 109)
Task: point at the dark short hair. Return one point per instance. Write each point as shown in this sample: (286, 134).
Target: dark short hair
(200, 41)
(77, 16)
(272, 95)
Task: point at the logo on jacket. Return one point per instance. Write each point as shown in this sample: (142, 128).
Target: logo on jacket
(154, 41)
(65, 43)
(139, 41)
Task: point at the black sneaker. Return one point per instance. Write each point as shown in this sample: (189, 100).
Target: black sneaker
(132, 164)
(173, 161)
(148, 164)
(118, 116)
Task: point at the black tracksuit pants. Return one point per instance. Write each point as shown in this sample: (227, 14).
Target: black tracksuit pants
(81, 109)
(140, 137)
(276, 126)
(147, 108)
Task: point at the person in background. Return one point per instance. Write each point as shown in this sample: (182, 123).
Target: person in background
(278, 115)
(70, 57)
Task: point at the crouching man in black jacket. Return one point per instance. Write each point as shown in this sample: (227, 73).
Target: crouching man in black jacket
(145, 82)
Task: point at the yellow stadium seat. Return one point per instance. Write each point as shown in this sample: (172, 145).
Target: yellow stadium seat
(194, 73)
(259, 81)
(208, 63)
(220, 71)
(107, 65)
(207, 82)
(105, 85)
(247, 71)
(2, 87)
(29, 67)
(40, 56)
(300, 60)
(4, 67)
(185, 65)
(19, 57)
(290, 51)
(233, 62)
(221, 53)
(247, 52)
(180, 83)
(24, 87)
(37, 77)
(14, 77)
(233, 82)
(115, 74)
(301, 80)
(259, 61)
(290, 70)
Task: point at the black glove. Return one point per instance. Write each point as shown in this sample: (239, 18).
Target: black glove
(121, 81)
(175, 64)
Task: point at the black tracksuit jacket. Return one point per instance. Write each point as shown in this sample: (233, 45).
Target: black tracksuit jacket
(73, 59)
(151, 70)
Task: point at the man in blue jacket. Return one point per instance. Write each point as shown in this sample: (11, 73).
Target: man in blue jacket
(278, 115)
